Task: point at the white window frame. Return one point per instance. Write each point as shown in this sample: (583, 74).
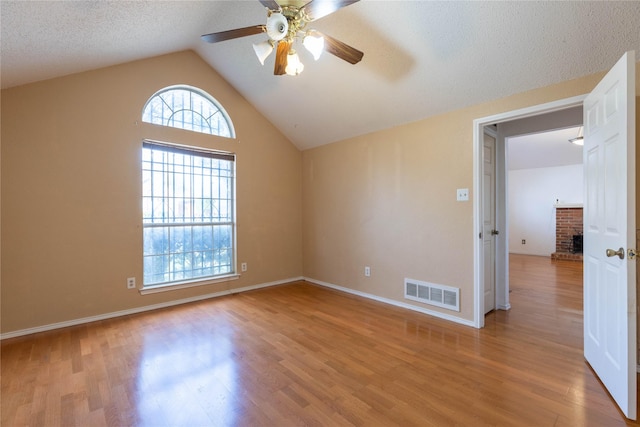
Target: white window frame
(180, 106)
(185, 221)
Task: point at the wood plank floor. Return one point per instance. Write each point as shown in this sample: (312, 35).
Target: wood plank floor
(300, 354)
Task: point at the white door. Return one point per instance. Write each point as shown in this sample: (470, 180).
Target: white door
(609, 224)
(489, 232)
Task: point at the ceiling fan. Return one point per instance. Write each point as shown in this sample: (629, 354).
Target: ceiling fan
(285, 24)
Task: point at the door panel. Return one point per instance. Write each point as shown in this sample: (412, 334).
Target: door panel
(609, 216)
(489, 221)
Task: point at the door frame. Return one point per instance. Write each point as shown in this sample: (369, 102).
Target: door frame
(502, 253)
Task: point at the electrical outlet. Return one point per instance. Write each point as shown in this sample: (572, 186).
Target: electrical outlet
(524, 242)
(131, 283)
(462, 194)
(243, 266)
(367, 271)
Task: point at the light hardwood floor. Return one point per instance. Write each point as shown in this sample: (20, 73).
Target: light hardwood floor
(300, 354)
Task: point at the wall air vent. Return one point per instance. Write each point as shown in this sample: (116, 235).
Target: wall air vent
(430, 293)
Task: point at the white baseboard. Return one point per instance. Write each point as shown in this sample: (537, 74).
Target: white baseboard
(105, 316)
(394, 302)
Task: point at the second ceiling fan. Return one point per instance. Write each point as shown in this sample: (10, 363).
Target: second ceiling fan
(285, 24)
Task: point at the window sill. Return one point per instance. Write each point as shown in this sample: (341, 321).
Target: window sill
(186, 284)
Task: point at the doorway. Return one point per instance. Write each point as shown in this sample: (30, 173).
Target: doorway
(609, 216)
(544, 175)
(545, 185)
(539, 117)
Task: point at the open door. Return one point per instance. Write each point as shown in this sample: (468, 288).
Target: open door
(489, 232)
(609, 233)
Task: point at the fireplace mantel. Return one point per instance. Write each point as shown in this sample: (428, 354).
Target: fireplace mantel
(567, 205)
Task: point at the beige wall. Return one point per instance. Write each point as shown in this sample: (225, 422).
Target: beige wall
(71, 190)
(71, 227)
(388, 200)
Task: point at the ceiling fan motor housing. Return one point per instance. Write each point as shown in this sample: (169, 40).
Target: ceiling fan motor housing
(277, 26)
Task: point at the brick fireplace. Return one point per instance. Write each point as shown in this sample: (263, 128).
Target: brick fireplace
(569, 230)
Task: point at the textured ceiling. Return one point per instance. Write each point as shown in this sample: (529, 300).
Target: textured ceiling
(544, 149)
(422, 58)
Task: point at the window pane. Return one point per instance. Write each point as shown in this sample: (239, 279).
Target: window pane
(155, 111)
(156, 240)
(187, 108)
(198, 238)
(222, 237)
(174, 195)
(155, 269)
(180, 240)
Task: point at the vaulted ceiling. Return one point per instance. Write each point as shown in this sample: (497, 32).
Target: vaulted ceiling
(421, 58)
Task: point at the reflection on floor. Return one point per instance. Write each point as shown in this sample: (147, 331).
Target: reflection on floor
(300, 354)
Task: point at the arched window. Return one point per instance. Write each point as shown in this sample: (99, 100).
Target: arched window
(188, 195)
(189, 108)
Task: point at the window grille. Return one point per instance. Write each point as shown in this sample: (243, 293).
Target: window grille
(187, 108)
(188, 198)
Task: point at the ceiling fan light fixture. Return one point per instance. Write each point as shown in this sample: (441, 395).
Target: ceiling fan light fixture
(314, 44)
(294, 66)
(277, 26)
(286, 24)
(263, 50)
(578, 140)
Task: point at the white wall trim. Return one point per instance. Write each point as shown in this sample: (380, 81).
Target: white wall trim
(478, 126)
(136, 310)
(437, 314)
(188, 284)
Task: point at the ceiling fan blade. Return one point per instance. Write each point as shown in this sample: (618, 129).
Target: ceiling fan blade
(281, 57)
(317, 9)
(270, 4)
(340, 49)
(233, 34)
